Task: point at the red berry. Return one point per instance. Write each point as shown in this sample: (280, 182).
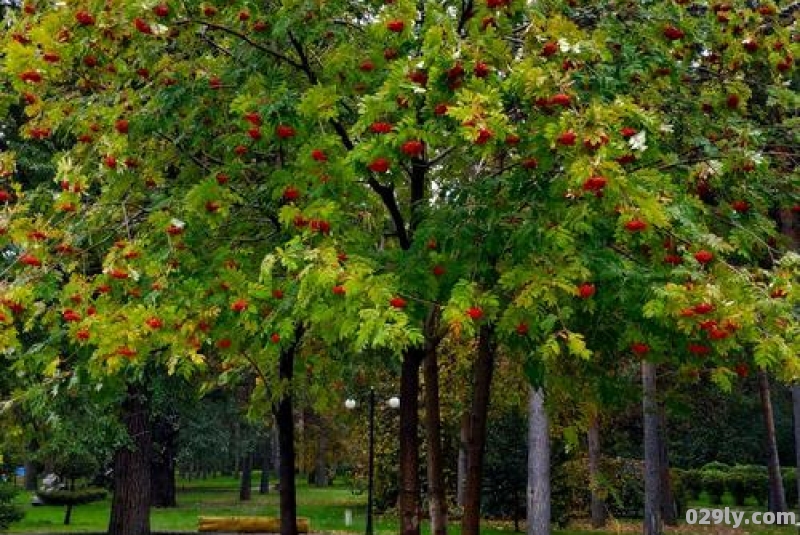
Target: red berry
(239, 305)
(742, 370)
(174, 230)
(586, 290)
(285, 131)
(481, 70)
(212, 206)
(253, 117)
(512, 139)
(215, 82)
(30, 76)
(379, 165)
(154, 323)
(703, 256)
(142, 26)
(530, 163)
(549, 49)
(277, 293)
(84, 18)
(699, 349)
(209, 11)
(240, 150)
(5, 196)
(381, 127)
(567, 138)
(70, 315)
(475, 313)
(751, 45)
(484, 135)
(778, 293)
(628, 132)
(672, 33)
(522, 329)
(640, 349)
(367, 66)
(161, 10)
(635, 225)
(673, 259)
(419, 77)
(398, 302)
(254, 133)
(260, 26)
(561, 99)
(224, 343)
(244, 16)
(413, 148)
(438, 270)
(118, 274)
(51, 57)
(30, 260)
(222, 178)
(291, 193)
(319, 155)
(732, 101)
(440, 109)
(703, 308)
(395, 25)
(126, 352)
(595, 183)
(338, 290)
(740, 206)
(82, 335)
(121, 126)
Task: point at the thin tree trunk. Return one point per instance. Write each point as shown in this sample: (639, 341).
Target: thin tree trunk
(482, 373)
(163, 492)
(437, 500)
(669, 512)
(246, 481)
(276, 455)
(598, 506)
(284, 415)
(263, 487)
(31, 471)
(652, 476)
(130, 505)
(461, 474)
(320, 462)
(538, 464)
(777, 497)
(68, 515)
(408, 502)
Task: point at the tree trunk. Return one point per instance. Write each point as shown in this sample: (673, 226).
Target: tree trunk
(777, 498)
(461, 475)
(320, 462)
(669, 512)
(437, 500)
(31, 470)
(130, 505)
(482, 382)
(263, 487)
(538, 464)
(408, 502)
(652, 474)
(598, 506)
(276, 455)
(284, 415)
(163, 492)
(246, 481)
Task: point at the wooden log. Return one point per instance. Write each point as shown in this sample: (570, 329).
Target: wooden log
(247, 524)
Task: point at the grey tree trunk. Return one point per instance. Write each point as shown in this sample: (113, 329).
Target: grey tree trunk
(777, 497)
(652, 453)
(276, 456)
(538, 465)
(598, 505)
(437, 500)
(461, 475)
(320, 460)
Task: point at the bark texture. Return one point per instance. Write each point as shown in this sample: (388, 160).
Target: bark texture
(437, 499)
(777, 497)
(652, 474)
(408, 502)
(598, 506)
(130, 505)
(538, 464)
(482, 381)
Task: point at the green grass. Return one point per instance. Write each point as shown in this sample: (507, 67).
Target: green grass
(325, 507)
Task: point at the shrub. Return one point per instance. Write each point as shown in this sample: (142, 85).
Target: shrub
(8, 513)
(790, 486)
(714, 485)
(72, 497)
(693, 484)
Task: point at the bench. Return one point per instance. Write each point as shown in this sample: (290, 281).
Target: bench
(247, 524)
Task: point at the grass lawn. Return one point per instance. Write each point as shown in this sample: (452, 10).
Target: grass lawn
(325, 507)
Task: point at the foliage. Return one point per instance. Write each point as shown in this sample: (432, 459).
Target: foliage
(505, 480)
(72, 497)
(9, 513)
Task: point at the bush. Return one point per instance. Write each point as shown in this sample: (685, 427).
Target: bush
(693, 484)
(8, 513)
(789, 477)
(714, 485)
(72, 497)
(746, 481)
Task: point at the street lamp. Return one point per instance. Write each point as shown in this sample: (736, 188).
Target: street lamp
(393, 403)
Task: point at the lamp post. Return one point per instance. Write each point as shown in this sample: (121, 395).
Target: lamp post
(393, 402)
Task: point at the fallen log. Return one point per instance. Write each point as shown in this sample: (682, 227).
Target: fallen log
(247, 524)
